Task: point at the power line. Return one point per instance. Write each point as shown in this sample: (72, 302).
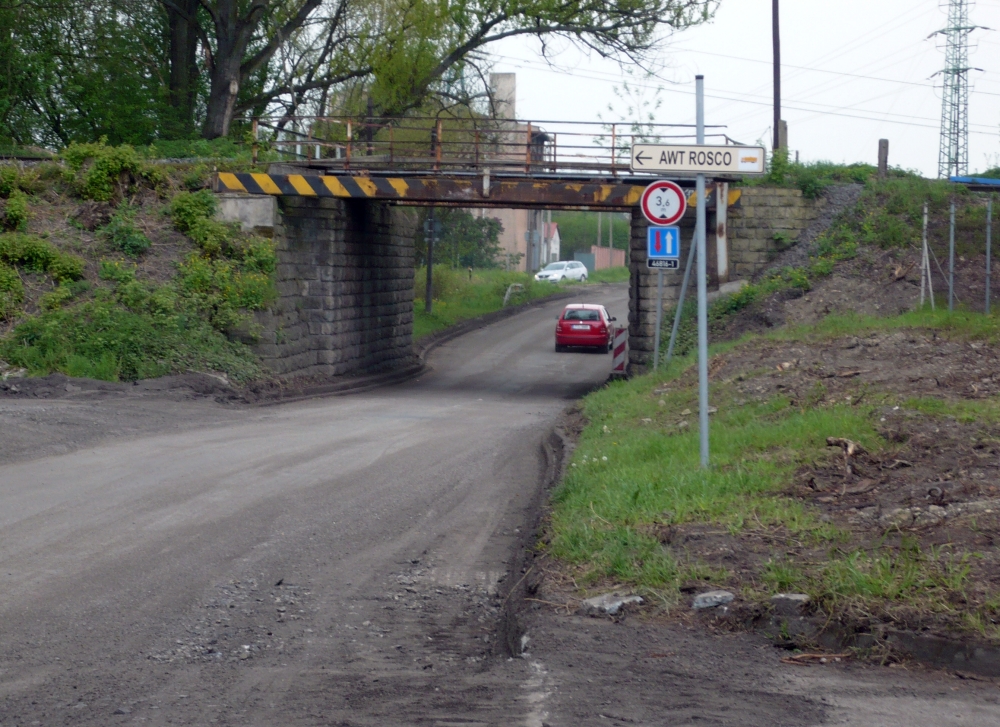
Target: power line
(827, 109)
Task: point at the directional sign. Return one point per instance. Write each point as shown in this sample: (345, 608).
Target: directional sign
(663, 247)
(663, 202)
(660, 158)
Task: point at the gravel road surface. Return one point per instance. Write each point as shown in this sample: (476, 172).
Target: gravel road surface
(338, 562)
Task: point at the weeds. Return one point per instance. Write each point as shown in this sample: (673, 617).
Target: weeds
(16, 211)
(98, 171)
(37, 255)
(124, 235)
(458, 298)
(11, 292)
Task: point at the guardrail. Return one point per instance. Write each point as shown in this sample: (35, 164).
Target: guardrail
(473, 144)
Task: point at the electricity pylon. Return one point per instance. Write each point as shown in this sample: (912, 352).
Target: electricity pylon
(953, 157)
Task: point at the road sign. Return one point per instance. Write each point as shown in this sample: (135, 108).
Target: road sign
(663, 248)
(699, 159)
(663, 203)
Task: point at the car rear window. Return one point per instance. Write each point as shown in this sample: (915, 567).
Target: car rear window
(581, 314)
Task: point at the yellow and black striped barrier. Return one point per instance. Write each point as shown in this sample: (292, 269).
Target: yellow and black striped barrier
(437, 189)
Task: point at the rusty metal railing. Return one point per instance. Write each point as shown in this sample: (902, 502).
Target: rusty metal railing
(448, 145)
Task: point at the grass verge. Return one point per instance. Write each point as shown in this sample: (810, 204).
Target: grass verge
(636, 509)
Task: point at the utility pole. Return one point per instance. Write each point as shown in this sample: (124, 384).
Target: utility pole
(776, 37)
(953, 155)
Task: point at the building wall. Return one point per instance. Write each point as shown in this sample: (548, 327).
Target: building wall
(606, 257)
(345, 285)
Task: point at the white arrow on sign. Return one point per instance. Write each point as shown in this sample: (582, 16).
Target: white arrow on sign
(699, 159)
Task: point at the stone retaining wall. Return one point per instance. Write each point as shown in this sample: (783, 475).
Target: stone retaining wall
(767, 221)
(345, 286)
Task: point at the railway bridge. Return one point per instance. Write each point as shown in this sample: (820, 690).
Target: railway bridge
(342, 217)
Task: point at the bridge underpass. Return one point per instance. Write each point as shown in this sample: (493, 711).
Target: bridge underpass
(344, 229)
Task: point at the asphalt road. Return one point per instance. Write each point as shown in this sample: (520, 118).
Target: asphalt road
(338, 562)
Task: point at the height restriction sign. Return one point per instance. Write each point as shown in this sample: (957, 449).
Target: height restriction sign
(663, 203)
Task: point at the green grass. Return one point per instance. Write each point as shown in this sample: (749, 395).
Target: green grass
(627, 474)
(636, 469)
(457, 298)
(609, 275)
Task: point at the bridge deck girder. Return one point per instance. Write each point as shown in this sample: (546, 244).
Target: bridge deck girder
(444, 190)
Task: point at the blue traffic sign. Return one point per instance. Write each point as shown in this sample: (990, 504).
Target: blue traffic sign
(664, 243)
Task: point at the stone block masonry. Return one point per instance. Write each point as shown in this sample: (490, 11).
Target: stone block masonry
(643, 288)
(345, 287)
(767, 221)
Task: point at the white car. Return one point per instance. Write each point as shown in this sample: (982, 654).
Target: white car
(567, 270)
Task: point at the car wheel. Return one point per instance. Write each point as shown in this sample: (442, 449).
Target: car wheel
(584, 278)
(560, 349)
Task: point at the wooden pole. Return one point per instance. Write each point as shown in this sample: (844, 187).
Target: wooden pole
(775, 31)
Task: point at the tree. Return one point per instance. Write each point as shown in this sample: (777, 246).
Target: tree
(467, 241)
(137, 70)
(409, 49)
(81, 70)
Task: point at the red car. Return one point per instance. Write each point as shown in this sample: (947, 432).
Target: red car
(585, 324)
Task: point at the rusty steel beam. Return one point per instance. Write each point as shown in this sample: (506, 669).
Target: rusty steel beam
(466, 191)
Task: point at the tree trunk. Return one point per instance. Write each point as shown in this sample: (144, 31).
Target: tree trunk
(225, 85)
(183, 63)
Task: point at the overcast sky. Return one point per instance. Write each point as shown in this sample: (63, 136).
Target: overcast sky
(854, 71)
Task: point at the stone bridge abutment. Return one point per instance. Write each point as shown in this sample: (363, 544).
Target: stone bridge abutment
(345, 288)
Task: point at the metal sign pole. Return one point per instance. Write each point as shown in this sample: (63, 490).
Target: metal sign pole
(659, 318)
(951, 261)
(429, 292)
(989, 251)
(680, 302)
(702, 284)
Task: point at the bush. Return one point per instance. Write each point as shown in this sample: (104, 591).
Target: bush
(116, 271)
(189, 207)
(100, 172)
(8, 179)
(37, 255)
(100, 339)
(11, 292)
(123, 234)
(16, 212)
(219, 291)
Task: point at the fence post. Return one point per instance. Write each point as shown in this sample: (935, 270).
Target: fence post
(256, 136)
(989, 251)
(350, 129)
(614, 141)
(527, 151)
(951, 260)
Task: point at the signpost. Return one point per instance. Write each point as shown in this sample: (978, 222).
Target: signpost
(664, 203)
(663, 252)
(697, 159)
